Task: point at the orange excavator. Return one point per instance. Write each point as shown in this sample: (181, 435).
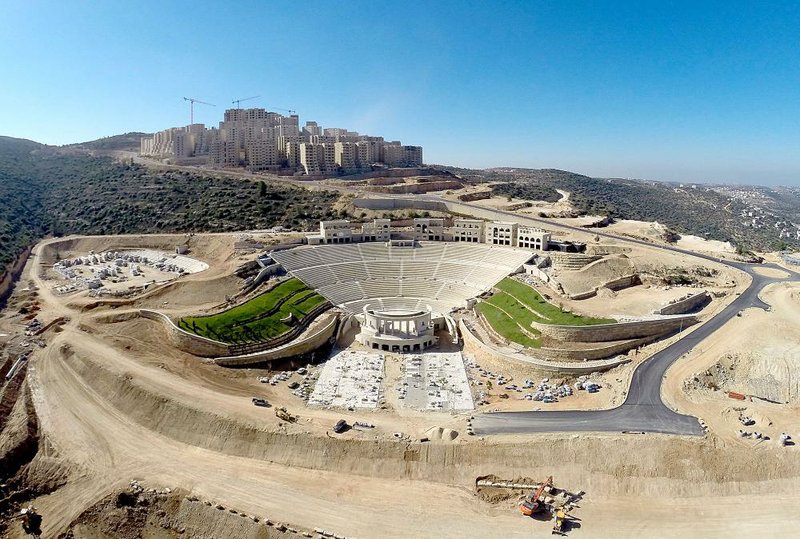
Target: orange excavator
(533, 504)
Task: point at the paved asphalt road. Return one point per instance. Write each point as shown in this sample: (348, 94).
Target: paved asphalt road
(643, 409)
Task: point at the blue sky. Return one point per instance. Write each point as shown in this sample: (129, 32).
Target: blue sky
(684, 91)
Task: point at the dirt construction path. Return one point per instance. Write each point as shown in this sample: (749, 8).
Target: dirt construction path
(84, 386)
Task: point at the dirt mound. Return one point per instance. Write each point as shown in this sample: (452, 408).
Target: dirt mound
(188, 294)
(19, 437)
(606, 293)
(135, 512)
(759, 374)
(439, 434)
(25, 472)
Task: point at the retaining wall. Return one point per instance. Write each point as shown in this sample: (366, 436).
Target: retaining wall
(615, 332)
(688, 304)
(472, 344)
(185, 341)
(597, 352)
(625, 281)
(416, 188)
(573, 354)
(11, 274)
(205, 347)
(309, 343)
(398, 204)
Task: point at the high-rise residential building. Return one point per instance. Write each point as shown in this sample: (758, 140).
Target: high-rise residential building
(310, 158)
(312, 128)
(262, 140)
(345, 156)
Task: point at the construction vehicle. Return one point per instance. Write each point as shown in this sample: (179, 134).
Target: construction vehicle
(31, 521)
(561, 519)
(533, 503)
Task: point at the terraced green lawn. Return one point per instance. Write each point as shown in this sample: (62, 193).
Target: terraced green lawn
(517, 306)
(249, 322)
(548, 313)
(506, 326)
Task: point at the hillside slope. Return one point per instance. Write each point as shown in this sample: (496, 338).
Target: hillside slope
(44, 190)
(706, 211)
(129, 142)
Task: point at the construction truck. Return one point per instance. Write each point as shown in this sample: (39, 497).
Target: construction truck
(31, 521)
(558, 525)
(533, 503)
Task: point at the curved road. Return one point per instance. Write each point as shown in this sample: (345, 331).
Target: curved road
(643, 409)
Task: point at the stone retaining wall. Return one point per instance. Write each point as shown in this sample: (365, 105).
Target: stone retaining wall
(205, 347)
(687, 304)
(573, 354)
(280, 340)
(473, 344)
(625, 281)
(598, 352)
(185, 341)
(309, 343)
(615, 332)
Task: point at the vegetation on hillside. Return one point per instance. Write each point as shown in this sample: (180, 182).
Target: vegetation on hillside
(524, 191)
(46, 191)
(506, 326)
(708, 212)
(130, 142)
(259, 319)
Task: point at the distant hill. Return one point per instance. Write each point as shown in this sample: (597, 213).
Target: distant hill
(47, 190)
(715, 212)
(129, 142)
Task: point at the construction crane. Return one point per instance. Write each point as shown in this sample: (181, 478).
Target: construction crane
(287, 110)
(532, 504)
(237, 101)
(192, 101)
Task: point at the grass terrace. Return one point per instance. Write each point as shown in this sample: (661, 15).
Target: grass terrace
(544, 312)
(515, 306)
(259, 319)
(503, 324)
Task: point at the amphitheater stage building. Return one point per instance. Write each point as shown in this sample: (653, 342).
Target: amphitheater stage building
(397, 331)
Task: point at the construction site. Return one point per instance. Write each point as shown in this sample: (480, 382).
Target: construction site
(178, 385)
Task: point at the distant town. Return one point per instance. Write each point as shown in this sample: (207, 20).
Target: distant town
(260, 140)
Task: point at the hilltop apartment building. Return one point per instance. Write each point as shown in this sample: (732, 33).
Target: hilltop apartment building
(258, 139)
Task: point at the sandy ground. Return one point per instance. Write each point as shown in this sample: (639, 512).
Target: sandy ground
(518, 205)
(767, 347)
(115, 404)
(653, 231)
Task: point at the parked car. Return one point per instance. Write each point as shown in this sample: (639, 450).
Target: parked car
(340, 426)
(260, 402)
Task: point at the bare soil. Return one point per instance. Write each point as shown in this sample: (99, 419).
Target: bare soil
(108, 402)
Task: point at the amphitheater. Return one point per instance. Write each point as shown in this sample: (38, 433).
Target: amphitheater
(391, 278)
